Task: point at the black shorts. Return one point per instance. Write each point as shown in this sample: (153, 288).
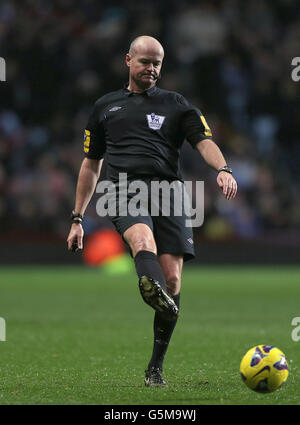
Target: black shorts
(170, 230)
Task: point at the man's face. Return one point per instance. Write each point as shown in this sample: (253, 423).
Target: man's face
(144, 67)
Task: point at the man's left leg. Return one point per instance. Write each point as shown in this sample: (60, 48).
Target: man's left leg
(163, 329)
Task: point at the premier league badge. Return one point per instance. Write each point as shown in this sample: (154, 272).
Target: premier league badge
(155, 121)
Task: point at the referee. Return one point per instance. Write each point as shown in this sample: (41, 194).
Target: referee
(140, 129)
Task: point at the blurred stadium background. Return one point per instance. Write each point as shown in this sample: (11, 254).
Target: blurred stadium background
(230, 58)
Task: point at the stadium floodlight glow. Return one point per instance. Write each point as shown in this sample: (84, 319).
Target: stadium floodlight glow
(2, 69)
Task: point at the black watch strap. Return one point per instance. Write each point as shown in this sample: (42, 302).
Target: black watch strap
(76, 217)
(226, 169)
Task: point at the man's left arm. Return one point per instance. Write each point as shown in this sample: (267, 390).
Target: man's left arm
(213, 156)
(198, 134)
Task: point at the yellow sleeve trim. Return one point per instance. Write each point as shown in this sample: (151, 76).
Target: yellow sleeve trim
(87, 140)
(207, 131)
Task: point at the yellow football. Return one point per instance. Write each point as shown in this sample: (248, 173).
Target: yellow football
(264, 368)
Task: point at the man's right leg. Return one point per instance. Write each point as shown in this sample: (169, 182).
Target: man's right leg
(152, 282)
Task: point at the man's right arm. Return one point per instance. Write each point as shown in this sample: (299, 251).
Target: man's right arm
(87, 180)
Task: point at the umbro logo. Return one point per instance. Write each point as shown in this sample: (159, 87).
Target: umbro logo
(190, 240)
(115, 108)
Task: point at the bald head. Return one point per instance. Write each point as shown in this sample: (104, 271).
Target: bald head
(146, 45)
(144, 60)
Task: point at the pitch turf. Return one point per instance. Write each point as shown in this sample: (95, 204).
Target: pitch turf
(77, 335)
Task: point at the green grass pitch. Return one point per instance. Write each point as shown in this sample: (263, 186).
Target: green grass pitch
(77, 335)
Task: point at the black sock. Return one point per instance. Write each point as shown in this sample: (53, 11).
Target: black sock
(163, 330)
(146, 264)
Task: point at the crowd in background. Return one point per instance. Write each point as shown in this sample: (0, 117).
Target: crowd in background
(231, 59)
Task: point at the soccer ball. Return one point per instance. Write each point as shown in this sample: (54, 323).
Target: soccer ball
(264, 368)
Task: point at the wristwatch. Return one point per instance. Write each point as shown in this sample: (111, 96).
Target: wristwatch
(226, 169)
(76, 217)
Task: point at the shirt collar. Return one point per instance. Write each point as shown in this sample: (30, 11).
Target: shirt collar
(149, 92)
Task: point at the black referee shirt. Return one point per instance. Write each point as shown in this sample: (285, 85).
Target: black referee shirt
(141, 134)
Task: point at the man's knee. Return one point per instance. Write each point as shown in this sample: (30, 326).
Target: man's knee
(143, 243)
(173, 282)
(140, 238)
